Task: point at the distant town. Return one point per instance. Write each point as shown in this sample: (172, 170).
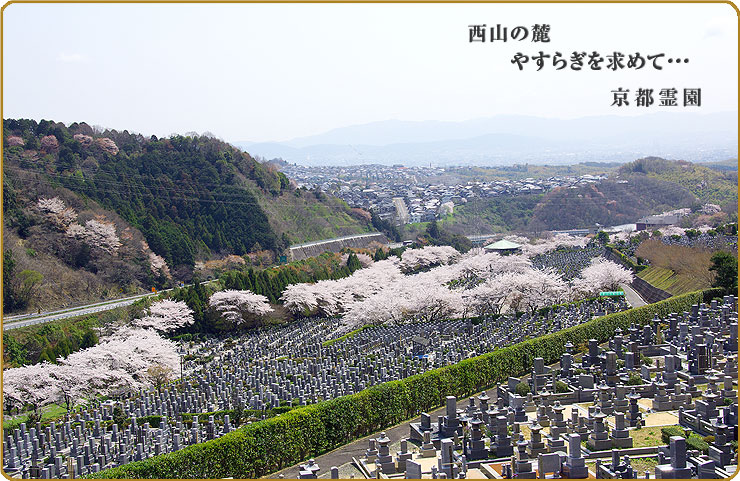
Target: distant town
(409, 194)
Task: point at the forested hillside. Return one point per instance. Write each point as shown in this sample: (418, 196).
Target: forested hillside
(610, 202)
(643, 187)
(189, 195)
(99, 213)
(709, 185)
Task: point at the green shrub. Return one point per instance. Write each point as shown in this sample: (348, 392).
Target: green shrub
(646, 360)
(154, 421)
(694, 441)
(561, 387)
(634, 380)
(522, 389)
(668, 431)
(267, 446)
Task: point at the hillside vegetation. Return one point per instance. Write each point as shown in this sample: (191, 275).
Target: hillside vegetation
(674, 268)
(611, 202)
(168, 202)
(493, 215)
(671, 282)
(72, 270)
(708, 185)
(644, 187)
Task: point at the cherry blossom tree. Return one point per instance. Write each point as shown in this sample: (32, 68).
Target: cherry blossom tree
(96, 234)
(30, 385)
(540, 288)
(478, 265)
(240, 307)
(72, 383)
(427, 256)
(488, 297)
(56, 211)
(119, 363)
(365, 260)
(543, 246)
(601, 274)
(158, 264)
(300, 298)
(333, 297)
(621, 236)
(166, 315)
(419, 296)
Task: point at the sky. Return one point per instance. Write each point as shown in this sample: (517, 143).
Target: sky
(273, 72)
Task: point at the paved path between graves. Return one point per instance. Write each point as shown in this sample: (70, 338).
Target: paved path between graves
(342, 456)
(633, 298)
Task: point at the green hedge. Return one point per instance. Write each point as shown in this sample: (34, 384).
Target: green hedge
(625, 259)
(267, 446)
(346, 336)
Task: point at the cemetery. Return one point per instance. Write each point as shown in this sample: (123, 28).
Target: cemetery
(577, 410)
(528, 388)
(568, 262)
(589, 429)
(267, 369)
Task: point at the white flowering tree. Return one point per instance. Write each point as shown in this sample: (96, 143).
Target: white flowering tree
(540, 288)
(479, 265)
(123, 360)
(30, 385)
(118, 364)
(74, 382)
(427, 256)
(157, 264)
(543, 246)
(166, 315)
(601, 275)
(56, 211)
(96, 234)
(332, 297)
(420, 296)
(488, 297)
(240, 307)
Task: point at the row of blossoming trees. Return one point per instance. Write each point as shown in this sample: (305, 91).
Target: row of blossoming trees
(438, 282)
(429, 283)
(133, 357)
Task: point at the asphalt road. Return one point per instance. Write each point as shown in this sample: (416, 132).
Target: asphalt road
(31, 319)
(632, 297)
(22, 320)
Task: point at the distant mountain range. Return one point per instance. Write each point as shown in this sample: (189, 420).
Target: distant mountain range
(508, 139)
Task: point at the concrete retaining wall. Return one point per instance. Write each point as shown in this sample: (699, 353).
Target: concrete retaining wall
(649, 292)
(313, 249)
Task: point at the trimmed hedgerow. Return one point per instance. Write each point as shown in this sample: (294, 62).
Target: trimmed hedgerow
(267, 446)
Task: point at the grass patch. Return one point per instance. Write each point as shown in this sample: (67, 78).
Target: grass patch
(669, 281)
(644, 464)
(646, 437)
(640, 465)
(346, 336)
(51, 412)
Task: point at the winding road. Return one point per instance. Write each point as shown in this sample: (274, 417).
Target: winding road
(23, 320)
